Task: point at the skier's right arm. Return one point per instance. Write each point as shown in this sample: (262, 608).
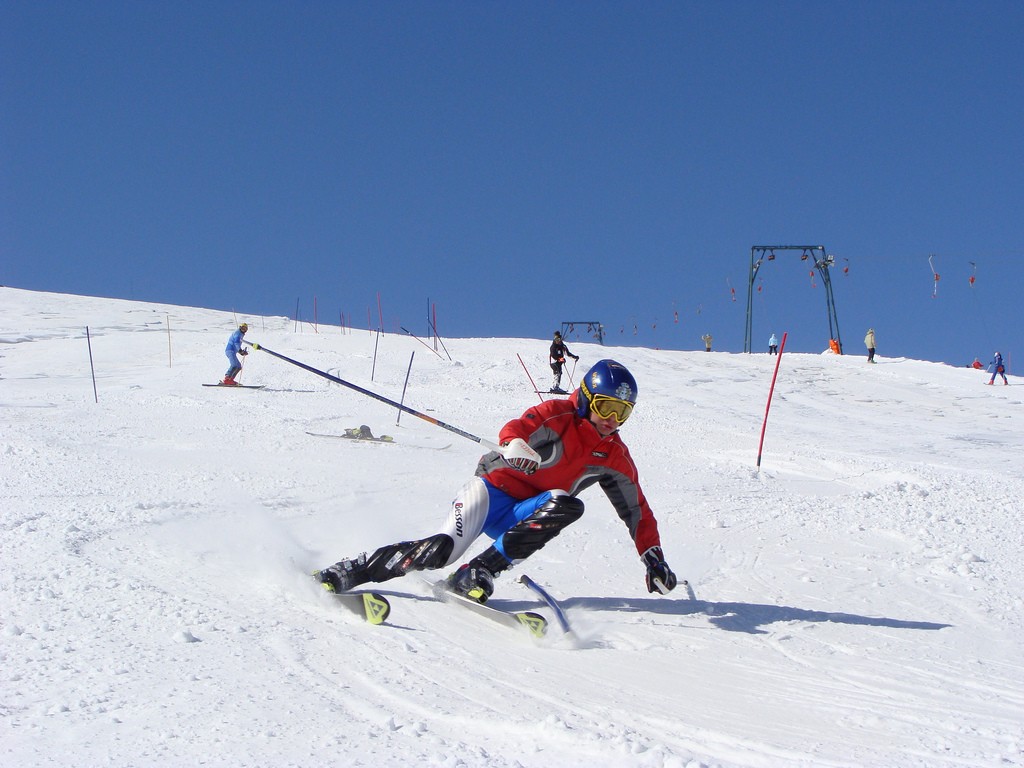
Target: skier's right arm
(519, 455)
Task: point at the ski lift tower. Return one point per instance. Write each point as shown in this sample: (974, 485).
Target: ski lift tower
(822, 262)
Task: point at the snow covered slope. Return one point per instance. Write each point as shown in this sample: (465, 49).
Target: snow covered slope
(858, 598)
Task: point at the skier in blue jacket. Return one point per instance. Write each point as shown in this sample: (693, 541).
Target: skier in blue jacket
(233, 350)
(997, 369)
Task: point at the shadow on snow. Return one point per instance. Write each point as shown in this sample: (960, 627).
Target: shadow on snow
(732, 617)
(740, 617)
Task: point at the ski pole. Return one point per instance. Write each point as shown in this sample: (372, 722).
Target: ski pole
(421, 341)
(412, 412)
(549, 601)
(532, 382)
(771, 391)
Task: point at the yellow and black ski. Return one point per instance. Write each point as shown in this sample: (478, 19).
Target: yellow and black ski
(372, 606)
(530, 620)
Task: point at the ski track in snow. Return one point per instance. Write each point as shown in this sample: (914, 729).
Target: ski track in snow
(858, 598)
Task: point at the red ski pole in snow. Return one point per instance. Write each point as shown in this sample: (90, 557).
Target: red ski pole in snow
(768, 406)
(532, 382)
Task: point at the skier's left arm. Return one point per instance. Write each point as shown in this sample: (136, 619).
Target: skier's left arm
(623, 491)
(659, 576)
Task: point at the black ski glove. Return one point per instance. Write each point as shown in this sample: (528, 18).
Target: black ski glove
(659, 576)
(243, 352)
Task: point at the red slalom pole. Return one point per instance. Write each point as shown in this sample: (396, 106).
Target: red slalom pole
(539, 395)
(771, 391)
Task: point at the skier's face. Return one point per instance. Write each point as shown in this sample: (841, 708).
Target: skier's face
(603, 426)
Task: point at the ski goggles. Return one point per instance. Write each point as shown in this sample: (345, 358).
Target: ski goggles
(611, 407)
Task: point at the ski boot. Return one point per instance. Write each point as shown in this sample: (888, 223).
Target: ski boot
(343, 575)
(472, 581)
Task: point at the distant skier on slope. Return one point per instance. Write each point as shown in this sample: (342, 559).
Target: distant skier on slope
(998, 369)
(556, 358)
(524, 498)
(233, 350)
(869, 342)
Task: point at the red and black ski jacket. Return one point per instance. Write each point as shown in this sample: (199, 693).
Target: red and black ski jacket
(573, 457)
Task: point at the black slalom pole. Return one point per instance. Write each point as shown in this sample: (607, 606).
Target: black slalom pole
(436, 422)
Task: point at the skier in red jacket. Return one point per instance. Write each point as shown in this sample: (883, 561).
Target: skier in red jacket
(523, 496)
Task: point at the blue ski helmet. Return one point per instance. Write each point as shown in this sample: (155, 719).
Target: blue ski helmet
(607, 378)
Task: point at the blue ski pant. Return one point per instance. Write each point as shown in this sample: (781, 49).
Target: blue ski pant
(480, 508)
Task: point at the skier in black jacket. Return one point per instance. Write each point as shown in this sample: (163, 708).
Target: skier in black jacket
(558, 353)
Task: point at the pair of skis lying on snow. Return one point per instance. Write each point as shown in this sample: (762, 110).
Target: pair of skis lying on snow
(375, 608)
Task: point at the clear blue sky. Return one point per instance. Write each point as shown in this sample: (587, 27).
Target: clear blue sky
(521, 164)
